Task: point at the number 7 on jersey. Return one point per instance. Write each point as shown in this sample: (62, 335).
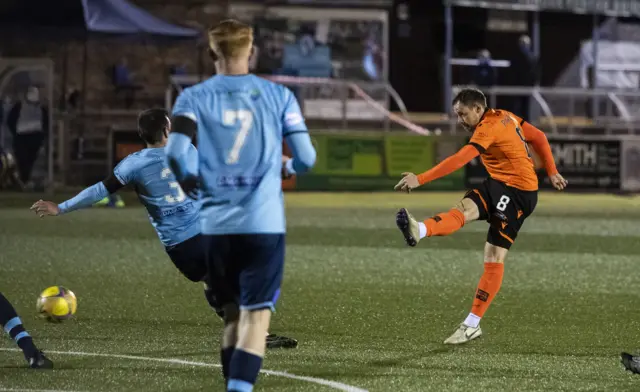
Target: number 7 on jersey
(245, 118)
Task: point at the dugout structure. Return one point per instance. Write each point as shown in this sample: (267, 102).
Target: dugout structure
(16, 75)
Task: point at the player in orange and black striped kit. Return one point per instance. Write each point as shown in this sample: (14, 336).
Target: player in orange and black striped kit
(505, 199)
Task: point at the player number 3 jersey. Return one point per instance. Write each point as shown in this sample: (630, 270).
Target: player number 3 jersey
(173, 215)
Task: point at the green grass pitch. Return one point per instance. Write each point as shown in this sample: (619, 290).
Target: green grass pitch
(368, 311)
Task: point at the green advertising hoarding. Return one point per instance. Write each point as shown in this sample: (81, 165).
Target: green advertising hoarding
(374, 161)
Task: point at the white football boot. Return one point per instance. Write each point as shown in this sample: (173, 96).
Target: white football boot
(464, 334)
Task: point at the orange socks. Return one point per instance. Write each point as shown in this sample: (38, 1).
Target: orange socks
(490, 282)
(445, 223)
(488, 288)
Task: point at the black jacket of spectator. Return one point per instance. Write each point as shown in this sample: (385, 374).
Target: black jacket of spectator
(26, 145)
(525, 68)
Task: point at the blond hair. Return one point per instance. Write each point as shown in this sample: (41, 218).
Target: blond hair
(231, 39)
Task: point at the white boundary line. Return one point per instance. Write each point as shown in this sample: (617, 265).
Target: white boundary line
(332, 384)
(34, 390)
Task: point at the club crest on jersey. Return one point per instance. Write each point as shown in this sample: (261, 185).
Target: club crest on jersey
(255, 95)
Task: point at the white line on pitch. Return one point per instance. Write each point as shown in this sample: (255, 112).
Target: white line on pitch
(320, 381)
(34, 390)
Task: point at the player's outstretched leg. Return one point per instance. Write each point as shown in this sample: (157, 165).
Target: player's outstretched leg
(443, 224)
(13, 326)
(488, 288)
(631, 362)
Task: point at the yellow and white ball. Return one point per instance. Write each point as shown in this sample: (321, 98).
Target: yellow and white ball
(57, 303)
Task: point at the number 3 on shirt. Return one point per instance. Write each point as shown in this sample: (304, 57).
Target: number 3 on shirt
(180, 196)
(231, 117)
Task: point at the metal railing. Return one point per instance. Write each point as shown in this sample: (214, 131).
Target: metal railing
(613, 99)
(329, 99)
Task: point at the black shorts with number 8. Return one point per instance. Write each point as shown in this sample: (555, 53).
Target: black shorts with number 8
(505, 208)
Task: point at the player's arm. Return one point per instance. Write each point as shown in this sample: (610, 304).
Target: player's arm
(538, 140)
(304, 155)
(84, 199)
(449, 165)
(483, 137)
(540, 144)
(184, 128)
(444, 168)
(178, 145)
(297, 137)
(181, 159)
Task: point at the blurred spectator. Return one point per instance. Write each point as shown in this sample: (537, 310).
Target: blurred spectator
(178, 69)
(28, 122)
(484, 73)
(72, 99)
(307, 57)
(9, 175)
(525, 72)
(373, 59)
(5, 105)
(404, 25)
(124, 82)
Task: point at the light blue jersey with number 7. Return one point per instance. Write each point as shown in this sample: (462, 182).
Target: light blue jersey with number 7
(242, 121)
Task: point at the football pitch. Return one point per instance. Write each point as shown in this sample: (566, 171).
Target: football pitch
(369, 312)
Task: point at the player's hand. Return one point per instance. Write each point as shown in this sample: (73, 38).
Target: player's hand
(191, 187)
(285, 174)
(43, 208)
(558, 181)
(408, 182)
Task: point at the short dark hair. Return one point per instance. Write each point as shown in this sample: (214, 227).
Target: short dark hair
(152, 124)
(469, 97)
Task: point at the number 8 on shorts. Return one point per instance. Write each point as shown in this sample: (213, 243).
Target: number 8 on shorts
(502, 203)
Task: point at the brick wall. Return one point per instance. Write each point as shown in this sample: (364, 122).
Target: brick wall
(149, 60)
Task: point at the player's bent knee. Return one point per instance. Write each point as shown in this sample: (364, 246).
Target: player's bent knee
(258, 318)
(494, 253)
(469, 208)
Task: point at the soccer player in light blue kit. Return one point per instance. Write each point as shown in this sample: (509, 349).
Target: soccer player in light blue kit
(174, 216)
(241, 121)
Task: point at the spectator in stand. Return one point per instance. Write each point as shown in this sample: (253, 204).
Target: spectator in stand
(484, 73)
(178, 69)
(373, 60)
(72, 99)
(525, 72)
(28, 123)
(124, 82)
